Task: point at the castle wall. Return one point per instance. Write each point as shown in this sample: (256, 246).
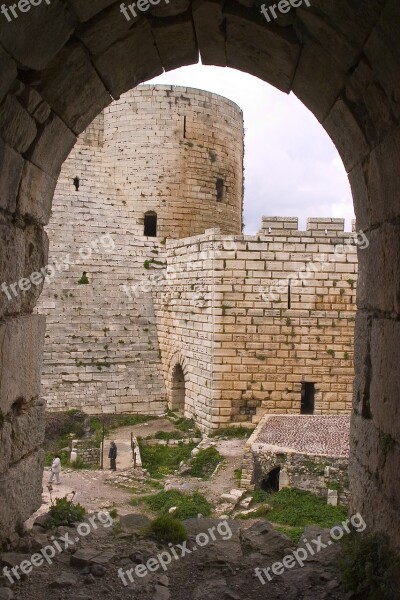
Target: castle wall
(257, 350)
(156, 149)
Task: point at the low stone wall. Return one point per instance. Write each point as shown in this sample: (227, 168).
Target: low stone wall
(88, 454)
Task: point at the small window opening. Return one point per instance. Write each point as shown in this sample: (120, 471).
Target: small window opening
(289, 294)
(150, 224)
(307, 398)
(220, 187)
(271, 482)
(76, 183)
(184, 127)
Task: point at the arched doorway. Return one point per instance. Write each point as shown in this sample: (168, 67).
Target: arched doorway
(340, 59)
(270, 483)
(178, 389)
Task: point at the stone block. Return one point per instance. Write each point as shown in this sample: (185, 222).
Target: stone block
(20, 492)
(36, 194)
(20, 369)
(11, 169)
(17, 128)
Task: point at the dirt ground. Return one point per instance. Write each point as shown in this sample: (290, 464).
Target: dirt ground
(94, 489)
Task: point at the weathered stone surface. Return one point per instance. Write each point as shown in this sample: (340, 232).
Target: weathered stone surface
(346, 134)
(64, 580)
(52, 146)
(11, 169)
(266, 52)
(208, 22)
(79, 98)
(107, 28)
(86, 10)
(138, 56)
(21, 338)
(17, 128)
(36, 194)
(8, 70)
(175, 42)
(20, 492)
(318, 79)
(51, 23)
(23, 251)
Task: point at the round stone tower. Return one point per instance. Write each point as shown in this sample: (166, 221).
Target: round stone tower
(177, 156)
(161, 162)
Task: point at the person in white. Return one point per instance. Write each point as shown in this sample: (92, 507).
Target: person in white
(56, 470)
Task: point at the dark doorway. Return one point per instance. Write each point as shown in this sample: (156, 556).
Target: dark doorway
(307, 398)
(178, 389)
(271, 482)
(150, 224)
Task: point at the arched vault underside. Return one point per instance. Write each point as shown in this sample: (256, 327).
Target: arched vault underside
(63, 61)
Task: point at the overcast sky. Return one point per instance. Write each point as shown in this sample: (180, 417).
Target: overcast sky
(291, 166)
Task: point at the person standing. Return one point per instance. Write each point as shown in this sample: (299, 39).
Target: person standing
(112, 455)
(56, 470)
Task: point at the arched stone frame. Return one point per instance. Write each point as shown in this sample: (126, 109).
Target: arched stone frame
(341, 59)
(177, 358)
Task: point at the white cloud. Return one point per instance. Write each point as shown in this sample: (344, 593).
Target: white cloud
(292, 168)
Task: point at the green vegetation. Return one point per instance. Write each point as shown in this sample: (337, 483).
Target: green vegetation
(297, 508)
(152, 261)
(237, 474)
(65, 512)
(84, 279)
(113, 513)
(188, 505)
(163, 460)
(168, 435)
(261, 357)
(331, 352)
(291, 510)
(369, 566)
(205, 462)
(166, 529)
(240, 432)
(185, 425)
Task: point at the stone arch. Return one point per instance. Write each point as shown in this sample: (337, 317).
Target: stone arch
(177, 382)
(341, 59)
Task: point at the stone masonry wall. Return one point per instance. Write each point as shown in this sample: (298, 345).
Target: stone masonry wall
(217, 319)
(156, 149)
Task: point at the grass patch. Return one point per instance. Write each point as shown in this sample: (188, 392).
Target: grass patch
(241, 433)
(369, 566)
(166, 529)
(187, 426)
(237, 473)
(163, 460)
(188, 505)
(205, 462)
(168, 435)
(297, 508)
(293, 533)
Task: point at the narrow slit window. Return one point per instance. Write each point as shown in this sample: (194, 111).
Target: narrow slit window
(184, 127)
(150, 224)
(289, 294)
(76, 183)
(220, 188)
(307, 398)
